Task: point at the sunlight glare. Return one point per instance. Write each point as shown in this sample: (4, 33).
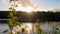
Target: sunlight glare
(29, 29)
(25, 9)
(29, 25)
(28, 9)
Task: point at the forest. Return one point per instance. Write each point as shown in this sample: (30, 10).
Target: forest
(33, 16)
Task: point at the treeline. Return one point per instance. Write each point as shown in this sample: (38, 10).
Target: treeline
(33, 16)
(3, 14)
(48, 16)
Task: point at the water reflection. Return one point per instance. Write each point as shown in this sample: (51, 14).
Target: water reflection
(29, 28)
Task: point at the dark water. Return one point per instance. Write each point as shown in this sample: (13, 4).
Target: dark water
(44, 26)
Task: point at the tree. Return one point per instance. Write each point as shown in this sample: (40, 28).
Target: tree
(13, 20)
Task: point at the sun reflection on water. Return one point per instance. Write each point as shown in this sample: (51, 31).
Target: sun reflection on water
(26, 26)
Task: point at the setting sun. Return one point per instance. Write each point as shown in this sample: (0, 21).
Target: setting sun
(28, 9)
(25, 9)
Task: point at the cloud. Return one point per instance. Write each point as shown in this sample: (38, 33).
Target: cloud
(4, 2)
(26, 3)
(56, 9)
(4, 8)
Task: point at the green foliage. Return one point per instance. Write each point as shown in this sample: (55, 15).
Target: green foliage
(23, 29)
(12, 9)
(58, 32)
(46, 32)
(17, 23)
(11, 0)
(5, 31)
(38, 29)
(12, 21)
(10, 33)
(10, 24)
(10, 14)
(18, 32)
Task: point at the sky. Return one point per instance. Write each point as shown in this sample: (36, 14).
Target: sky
(43, 4)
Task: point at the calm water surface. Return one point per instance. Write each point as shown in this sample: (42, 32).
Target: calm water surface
(44, 26)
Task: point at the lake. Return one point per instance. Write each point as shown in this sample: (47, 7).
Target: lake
(29, 29)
